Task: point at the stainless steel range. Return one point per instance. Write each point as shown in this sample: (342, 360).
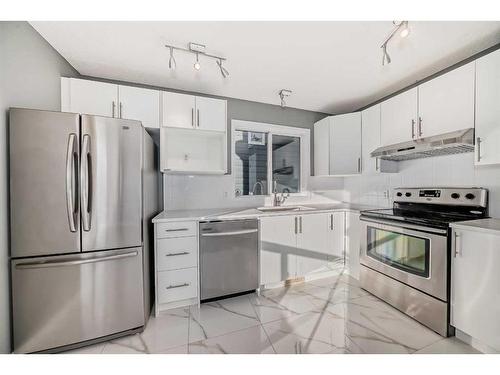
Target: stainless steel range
(406, 250)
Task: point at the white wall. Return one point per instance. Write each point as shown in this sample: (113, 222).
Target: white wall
(30, 71)
(441, 171)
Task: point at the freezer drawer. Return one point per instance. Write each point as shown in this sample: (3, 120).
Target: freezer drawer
(63, 300)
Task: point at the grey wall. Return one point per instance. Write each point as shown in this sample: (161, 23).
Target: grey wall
(30, 71)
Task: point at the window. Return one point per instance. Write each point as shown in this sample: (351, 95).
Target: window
(266, 155)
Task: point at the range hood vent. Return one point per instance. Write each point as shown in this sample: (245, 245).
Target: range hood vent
(456, 142)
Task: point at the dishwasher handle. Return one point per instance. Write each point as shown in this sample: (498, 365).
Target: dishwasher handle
(231, 233)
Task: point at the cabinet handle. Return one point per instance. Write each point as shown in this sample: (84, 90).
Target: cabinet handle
(420, 126)
(177, 286)
(456, 238)
(300, 224)
(176, 230)
(376, 164)
(359, 165)
(120, 110)
(478, 142)
(296, 224)
(113, 106)
(192, 117)
(412, 128)
(331, 221)
(175, 254)
(198, 117)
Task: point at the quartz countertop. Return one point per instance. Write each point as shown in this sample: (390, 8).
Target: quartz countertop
(253, 212)
(482, 225)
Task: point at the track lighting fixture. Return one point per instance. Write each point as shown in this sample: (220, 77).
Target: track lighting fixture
(283, 94)
(171, 61)
(404, 31)
(197, 49)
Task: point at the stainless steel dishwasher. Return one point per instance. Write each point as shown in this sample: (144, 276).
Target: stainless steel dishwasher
(229, 257)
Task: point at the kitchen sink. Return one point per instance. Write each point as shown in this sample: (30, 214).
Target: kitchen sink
(284, 208)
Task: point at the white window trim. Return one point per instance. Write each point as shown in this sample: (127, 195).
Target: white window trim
(270, 129)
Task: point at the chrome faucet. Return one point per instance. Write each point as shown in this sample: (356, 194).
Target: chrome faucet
(278, 200)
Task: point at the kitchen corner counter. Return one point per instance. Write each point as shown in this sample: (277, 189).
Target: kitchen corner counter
(491, 226)
(252, 212)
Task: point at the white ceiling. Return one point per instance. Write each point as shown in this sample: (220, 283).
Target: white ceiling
(332, 67)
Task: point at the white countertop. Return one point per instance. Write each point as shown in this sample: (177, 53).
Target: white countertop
(252, 212)
(482, 225)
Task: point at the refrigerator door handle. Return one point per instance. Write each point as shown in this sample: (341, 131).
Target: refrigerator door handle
(71, 181)
(75, 262)
(85, 185)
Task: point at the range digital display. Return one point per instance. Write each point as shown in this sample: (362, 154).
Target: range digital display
(429, 193)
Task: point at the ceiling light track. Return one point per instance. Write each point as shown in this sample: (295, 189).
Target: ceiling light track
(197, 50)
(404, 31)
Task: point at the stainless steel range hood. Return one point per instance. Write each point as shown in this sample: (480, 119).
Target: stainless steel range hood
(456, 142)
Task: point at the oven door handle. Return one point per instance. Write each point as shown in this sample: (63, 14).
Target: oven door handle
(405, 225)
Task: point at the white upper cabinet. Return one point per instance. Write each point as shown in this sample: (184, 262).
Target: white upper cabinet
(189, 111)
(140, 104)
(446, 103)
(398, 118)
(488, 109)
(211, 114)
(89, 97)
(178, 110)
(322, 147)
(370, 140)
(345, 144)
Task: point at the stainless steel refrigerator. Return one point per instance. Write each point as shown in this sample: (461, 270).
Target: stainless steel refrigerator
(82, 192)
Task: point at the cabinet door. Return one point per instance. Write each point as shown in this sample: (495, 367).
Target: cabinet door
(475, 286)
(93, 98)
(211, 114)
(397, 115)
(446, 103)
(140, 104)
(322, 147)
(488, 109)
(345, 144)
(370, 140)
(178, 110)
(352, 235)
(278, 248)
(336, 237)
(312, 243)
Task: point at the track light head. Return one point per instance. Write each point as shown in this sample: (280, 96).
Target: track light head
(172, 64)
(405, 30)
(386, 59)
(223, 70)
(197, 65)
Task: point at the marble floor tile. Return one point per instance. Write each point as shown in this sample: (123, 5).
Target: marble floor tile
(450, 345)
(183, 349)
(292, 299)
(168, 330)
(252, 340)
(269, 309)
(92, 349)
(133, 344)
(377, 327)
(221, 317)
(311, 332)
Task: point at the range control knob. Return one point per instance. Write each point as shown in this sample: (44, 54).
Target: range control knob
(399, 194)
(455, 195)
(408, 194)
(470, 196)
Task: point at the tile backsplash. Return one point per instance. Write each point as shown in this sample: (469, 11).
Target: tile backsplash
(189, 192)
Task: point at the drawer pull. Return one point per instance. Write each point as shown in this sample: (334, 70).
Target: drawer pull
(177, 286)
(175, 254)
(176, 230)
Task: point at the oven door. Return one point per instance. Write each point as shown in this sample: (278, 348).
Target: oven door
(414, 255)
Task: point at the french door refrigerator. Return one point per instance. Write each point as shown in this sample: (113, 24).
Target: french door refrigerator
(79, 261)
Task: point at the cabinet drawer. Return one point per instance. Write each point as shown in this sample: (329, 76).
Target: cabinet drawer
(177, 285)
(176, 253)
(176, 229)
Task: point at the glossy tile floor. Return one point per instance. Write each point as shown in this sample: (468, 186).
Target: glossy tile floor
(329, 315)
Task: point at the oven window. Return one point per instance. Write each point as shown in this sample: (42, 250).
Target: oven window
(408, 253)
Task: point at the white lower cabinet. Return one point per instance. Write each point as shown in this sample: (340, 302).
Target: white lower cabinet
(475, 285)
(300, 245)
(352, 245)
(176, 265)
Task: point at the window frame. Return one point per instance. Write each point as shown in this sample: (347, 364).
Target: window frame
(270, 129)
